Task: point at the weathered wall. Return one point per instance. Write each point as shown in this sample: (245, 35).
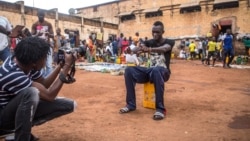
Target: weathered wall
(176, 25)
(13, 12)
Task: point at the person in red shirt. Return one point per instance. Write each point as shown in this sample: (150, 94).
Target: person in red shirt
(125, 44)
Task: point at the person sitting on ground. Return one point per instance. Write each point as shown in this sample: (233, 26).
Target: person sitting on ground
(182, 54)
(131, 58)
(27, 98)
(158, 72)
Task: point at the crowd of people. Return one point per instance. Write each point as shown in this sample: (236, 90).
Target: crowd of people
(29, 84)
(212, 49)
(31, 74)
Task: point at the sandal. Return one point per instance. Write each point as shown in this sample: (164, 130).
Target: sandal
(158, 116)
(125, 110)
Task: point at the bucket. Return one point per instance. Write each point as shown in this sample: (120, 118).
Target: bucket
(118, 60)
(172, 55)
(238, 60)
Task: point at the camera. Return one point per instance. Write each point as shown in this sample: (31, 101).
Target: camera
(80, 52)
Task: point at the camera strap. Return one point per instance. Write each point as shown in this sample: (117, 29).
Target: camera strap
(72, 73)
(69, 78)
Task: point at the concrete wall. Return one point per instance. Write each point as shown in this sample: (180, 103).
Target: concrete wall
(13, 12)
(177, 25)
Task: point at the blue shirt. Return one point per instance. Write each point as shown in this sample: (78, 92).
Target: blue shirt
(13, 80)
(114, 44)
(227, 41)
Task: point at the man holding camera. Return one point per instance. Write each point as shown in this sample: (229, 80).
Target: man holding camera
(27, 98)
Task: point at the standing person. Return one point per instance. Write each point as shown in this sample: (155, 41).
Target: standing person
(130, 40)
(204, 50)
(228, 49)
(219, 49)
(187, 42)
(199, 48)
(211, 47)
(160, 50)
(44, 30)
(115, 47)
(246, 41)
(27, 98)
(125, 44)
(119, 40)
(67, 39)
(192, 47)
(90, 49)
(136, 39)
(5, 29)
(59, 41)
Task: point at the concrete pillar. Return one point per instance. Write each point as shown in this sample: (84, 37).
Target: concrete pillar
(82, 23)
(23, 21)
(56, 18)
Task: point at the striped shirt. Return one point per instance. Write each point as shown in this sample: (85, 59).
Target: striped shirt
(13, 80)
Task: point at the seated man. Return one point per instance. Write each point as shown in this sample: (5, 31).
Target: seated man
(27, 98)
(131, 58)
(159, 49)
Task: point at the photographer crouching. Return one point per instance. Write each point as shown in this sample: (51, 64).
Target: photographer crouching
(27, 98)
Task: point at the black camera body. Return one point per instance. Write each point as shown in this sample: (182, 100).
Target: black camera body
(80, 51)
(75, 52)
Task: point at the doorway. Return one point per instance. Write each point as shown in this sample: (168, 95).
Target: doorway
(225, 24)
(225, 27)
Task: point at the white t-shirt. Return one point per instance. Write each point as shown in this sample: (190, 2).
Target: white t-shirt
(108, 48)
(182, 54)
(131, 59)
(200, 45)
(4, 38)
(67, 44)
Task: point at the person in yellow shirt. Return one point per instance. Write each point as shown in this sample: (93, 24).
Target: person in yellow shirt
(211, 47)
(219, 49)
(192, 47)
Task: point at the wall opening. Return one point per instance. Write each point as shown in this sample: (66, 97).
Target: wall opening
(225, 27)
(225, 24)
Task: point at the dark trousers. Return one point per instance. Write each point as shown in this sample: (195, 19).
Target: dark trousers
(230, 54)
(247, 50)
(211, 54)
(26, 110)
(156, 75)
(192, 55)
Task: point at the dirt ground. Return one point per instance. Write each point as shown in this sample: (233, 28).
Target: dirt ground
(203, 104)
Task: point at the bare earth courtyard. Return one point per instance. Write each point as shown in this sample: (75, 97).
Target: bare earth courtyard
(203, 103)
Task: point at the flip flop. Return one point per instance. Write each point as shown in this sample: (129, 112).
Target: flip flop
(125, 110)
(158, 116)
